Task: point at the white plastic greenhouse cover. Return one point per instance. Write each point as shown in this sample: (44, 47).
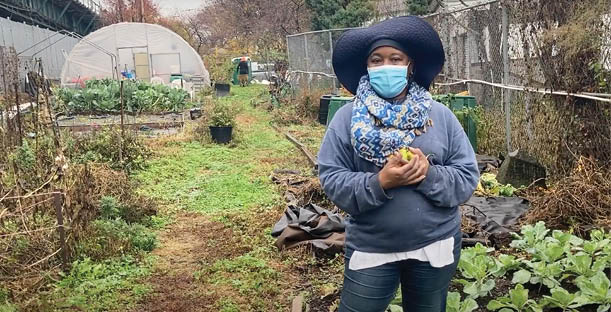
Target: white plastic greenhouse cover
(167, 53)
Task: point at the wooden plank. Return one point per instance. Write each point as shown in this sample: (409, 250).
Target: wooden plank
(57, 201)
(134, 126)
(298, 304)
(300, 146)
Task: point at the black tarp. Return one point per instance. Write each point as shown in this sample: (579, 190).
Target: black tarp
(495, 214)
(310, 225)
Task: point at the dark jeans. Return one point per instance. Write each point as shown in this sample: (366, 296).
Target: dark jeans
(424, 288)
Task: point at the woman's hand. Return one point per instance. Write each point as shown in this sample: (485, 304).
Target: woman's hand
(399, 172)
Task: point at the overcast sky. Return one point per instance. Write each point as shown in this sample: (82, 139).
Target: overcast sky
(173, 7)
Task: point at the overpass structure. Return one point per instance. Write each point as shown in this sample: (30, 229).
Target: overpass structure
(77, 16)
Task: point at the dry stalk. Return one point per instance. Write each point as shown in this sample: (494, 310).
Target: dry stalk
(581, 200)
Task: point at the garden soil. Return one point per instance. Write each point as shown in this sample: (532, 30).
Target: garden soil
(190, 241)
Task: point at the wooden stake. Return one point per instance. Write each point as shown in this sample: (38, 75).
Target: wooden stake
(57, 201)
(56, 134)
(19, 128)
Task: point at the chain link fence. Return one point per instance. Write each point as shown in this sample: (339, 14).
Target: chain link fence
(309, 56)
(510, 55)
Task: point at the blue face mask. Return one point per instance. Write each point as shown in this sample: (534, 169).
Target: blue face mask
(388, 80)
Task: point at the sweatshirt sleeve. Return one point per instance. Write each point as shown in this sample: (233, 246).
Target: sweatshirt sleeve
(352, 191)
(452, 183)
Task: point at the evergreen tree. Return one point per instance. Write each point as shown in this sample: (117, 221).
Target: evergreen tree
(328, 14)
(418, 7)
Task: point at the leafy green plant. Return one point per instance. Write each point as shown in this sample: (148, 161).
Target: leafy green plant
(454, 304)
(24, 156)
(103, 96)
(516, 301)
(222, 115)
(598, 244)
(506, 263)
(596, 290)
(540, 272)
(582, 264)
(567, 240)
(101, 286)
(5, 305)
(560, 298)
(137, 235)
(396, 304)
(112, 237)
(477, 267)
(550, 252)
(531, 237)
(110, 208)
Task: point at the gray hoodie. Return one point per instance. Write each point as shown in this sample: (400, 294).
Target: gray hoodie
(405, 218)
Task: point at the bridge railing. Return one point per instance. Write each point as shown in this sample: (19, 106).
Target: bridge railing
(93, 5)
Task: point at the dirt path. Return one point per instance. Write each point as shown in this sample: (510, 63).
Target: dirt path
(184, 246)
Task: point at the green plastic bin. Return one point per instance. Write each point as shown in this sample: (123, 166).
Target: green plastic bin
(335, 104)
(235, 62)
(457, 103)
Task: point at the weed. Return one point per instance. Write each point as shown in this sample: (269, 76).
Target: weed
(111, 284)
(5, 305)
(103, 146)
(249, 275)
(227, 305)
(109, 237)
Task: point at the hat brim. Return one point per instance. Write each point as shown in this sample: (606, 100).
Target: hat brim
(418, 37)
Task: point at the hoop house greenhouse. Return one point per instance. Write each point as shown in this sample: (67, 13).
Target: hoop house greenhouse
(145, 52)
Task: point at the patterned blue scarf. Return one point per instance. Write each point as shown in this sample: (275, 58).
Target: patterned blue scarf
(379, 128)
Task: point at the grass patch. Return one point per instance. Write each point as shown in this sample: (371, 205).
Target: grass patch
(213, 178)
(113, 260)
(102, 286)
(249, 275)
(209, 179)
(5, 305)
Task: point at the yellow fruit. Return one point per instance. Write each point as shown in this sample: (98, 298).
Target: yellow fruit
(480, 189)
(406, 154)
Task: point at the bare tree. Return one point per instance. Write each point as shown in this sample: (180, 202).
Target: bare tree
(117, 11)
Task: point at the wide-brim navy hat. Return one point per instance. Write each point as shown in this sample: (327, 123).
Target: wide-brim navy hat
(417, 38)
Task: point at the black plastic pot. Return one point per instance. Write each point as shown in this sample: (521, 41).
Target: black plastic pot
(221, 135)
(323, 110)
(222, 89)
(195, 113)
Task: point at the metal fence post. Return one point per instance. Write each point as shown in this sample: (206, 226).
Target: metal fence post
(506, 94)
(122, 123)
(288, 53)
(307, 60)
(447, 45)
(331, 50)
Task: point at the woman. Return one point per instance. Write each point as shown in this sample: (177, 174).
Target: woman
(404, 224)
